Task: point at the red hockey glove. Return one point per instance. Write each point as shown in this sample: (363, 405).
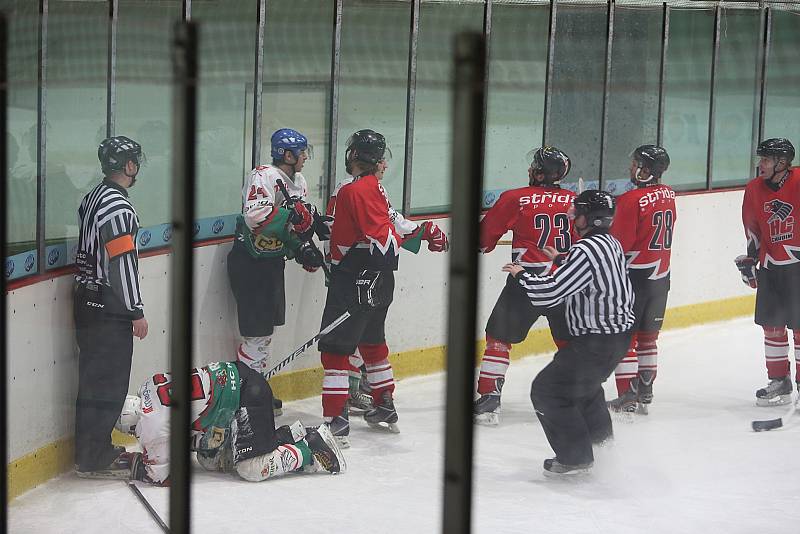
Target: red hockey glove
(437, 240)
(747, 268)
(301, 218)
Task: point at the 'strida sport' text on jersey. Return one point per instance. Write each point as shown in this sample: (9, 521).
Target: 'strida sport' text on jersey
(537, 216)
(643, 224)
(770, 220)
(107, 254)
(214, 391)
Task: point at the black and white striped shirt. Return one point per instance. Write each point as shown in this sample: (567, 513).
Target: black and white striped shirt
(107, 254)
(594, 283)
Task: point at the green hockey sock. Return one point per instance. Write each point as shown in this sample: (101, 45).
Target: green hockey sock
(305, 452)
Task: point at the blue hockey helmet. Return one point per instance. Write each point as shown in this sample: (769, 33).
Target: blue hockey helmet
(290, 140)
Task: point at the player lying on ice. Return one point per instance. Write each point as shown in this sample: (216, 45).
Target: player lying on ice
(233, 429)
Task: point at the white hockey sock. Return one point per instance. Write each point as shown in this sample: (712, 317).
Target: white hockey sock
(255, 352)
(284, 459)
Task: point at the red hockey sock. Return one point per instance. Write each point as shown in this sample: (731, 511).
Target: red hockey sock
(776, 351)
(379, 370)
(647, 351)
(627, 368)
(335, 384)
(560, 343)
(494, 364)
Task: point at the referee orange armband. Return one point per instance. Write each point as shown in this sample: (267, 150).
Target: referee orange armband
(120, 245)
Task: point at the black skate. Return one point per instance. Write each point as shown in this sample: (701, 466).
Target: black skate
(340, 428)
(383, 416)
(118, 468)
(364, 382)
(554, 468)
(486, 409)
(359, 402)
(646, 386)
(777, 393)
(277, 406)
(325, 449)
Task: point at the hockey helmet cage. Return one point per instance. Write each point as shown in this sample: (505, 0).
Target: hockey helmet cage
(777, 147)
(550, 161)
(288, 140)
(131, 413)
(367, 146)
(115, 152)
(652, 157)
(598, 207)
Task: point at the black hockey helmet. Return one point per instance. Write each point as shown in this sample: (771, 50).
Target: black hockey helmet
(115, 152)
(598, 207)
(777, 147)
(367, 146)
(652, 157)
(550, 161)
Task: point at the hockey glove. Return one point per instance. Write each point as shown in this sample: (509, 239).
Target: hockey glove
(309, 257)
(322, 226)
(747, 268)
(437, 240)
(368, 283)
(302, 220)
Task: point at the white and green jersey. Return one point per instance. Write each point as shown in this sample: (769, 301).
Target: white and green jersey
(215, 391)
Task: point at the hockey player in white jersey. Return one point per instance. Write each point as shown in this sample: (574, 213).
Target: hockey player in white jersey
(267, 232)
(233, 429)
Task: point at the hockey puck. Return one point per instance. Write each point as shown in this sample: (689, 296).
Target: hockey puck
(771, 424)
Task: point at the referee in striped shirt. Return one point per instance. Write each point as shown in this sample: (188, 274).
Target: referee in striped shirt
(593, 281)
(108, 305)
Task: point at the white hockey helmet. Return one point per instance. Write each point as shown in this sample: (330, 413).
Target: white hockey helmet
(131, 413)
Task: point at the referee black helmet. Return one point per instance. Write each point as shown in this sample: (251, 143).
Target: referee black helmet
(597, 206)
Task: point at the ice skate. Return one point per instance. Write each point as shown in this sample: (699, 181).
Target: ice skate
(383, 416)
(777, 393)
(553, 468)
(359, 401)
(339, 427)
(629, 403)
(486, 409)
(277, 406)
(325, 449)
(645, 387)
(118, 468)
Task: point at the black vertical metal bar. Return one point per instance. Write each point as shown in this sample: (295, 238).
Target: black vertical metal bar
(662, 75)
(487, 39)
(333, 116)
(758, 102)
(4, 235)
(258, 84)
(184, 165)
(548, 82)
(767, 48)
(186, 10)
(111, 75)
(466, 185)
(41, 140)
(606, 89)
(712, 107)
(411, 102)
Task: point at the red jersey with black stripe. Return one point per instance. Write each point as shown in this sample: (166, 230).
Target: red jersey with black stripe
(769, 219)
(363, 236)
(643, 224)
(537, 217)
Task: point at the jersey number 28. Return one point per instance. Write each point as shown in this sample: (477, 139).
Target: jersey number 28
(662, 237)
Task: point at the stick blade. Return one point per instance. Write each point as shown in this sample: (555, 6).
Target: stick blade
(769, 424)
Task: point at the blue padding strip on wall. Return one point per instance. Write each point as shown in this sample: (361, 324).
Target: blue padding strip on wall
(150, 237)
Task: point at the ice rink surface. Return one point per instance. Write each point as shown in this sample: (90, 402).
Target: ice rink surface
(692, 466)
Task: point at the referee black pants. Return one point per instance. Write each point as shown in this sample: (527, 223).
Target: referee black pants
(568, 395)
(105, 343)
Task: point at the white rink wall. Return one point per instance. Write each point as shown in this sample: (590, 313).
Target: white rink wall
(42, 353)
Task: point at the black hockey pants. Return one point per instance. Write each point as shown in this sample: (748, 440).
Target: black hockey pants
(568, 395)
(105, 342)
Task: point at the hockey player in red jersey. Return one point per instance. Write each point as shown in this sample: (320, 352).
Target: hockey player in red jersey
(233, 429)
(769, 210)
(364, 249)
(643, 225)
(537, 217)
(360, 398)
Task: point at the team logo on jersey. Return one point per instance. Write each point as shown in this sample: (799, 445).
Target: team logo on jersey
(144, 237)
(29, 261)
(264, 243)
(9, 268)
(218, 225)
(781, 221)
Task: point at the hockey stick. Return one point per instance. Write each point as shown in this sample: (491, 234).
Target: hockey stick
(299, 350)
(310, 241)
(150, 509)
(772, 424)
